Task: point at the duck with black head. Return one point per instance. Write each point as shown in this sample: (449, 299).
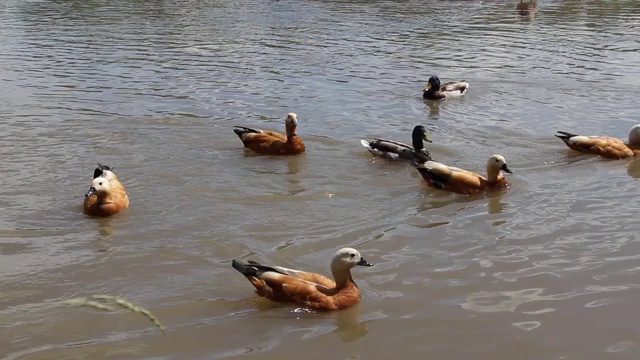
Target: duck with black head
(434, 90)
(394, 150)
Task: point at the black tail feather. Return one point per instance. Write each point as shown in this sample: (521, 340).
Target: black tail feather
(565, 135)
(99, 170)
(241, 130)
(252, 268)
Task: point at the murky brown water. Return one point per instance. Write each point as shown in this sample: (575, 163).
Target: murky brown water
(547, 270)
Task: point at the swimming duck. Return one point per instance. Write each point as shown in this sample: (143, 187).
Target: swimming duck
(106, 196)
(441, 176)
(271, 142)
(312, 290)
(394, 150)
(526, 9)
(435, 91)
(604, 146)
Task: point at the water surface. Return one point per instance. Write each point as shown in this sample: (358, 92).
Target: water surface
(545, 270)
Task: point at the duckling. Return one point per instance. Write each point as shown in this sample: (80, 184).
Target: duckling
(312, 290)
(607, 147)
(394, 150)
(271, 142)
(441, 176)
(106, 196)
(435, 91)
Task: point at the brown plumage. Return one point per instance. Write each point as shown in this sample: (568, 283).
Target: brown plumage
(436, 91)
(311, 290)
(271, 142)
(604, 146)
(106, 196)
(441, 176)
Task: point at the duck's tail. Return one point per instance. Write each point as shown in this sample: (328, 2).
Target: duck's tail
(241, 130)
(564, 135)
(99, 171)
(252, 268)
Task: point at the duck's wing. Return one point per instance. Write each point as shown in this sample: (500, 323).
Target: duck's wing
(454, 88)
(421, 156)
(604, 146)
(254, 268)
(385, 148)
(441, 176)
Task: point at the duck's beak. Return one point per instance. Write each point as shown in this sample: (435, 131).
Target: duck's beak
(506, 169)
(426, 137)
(364, 262)
(91, 191)
(428, 87)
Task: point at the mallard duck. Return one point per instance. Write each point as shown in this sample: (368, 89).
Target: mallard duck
(441, 176)
(435, 91)
(271, 142)
(395, 150)
(607, 147)
(106, 196)
(312, 290)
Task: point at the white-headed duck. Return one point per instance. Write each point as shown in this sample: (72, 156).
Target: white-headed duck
(311, 290)
(394, 150)
(106, 196)
(441, 176)
(607, 147)
(436, 91)
(271, 142)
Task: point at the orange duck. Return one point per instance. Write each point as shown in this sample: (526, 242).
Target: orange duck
(311, 290)
(607, 147)
(441, 176)
(106, 196)
(270, 142)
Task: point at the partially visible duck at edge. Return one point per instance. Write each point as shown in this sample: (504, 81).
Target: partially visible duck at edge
(605, 146)
(268, 142)
(310, 290)
(395, 150)
(436, 91)
(441, 176)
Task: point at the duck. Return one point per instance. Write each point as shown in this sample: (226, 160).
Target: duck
(526, 9)
(106, 196)
(441, 176)
(268, 142)
(394, 150)
(436, 91)
(607, 147)
(310, 290)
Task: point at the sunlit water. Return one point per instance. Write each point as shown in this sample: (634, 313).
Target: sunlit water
(546, 270)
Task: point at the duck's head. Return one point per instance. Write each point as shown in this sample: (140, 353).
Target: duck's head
(497, 163)
(291, 123)
(419, 134)
(99, 186)
(433, 83)
(634, 135)
(346, 259)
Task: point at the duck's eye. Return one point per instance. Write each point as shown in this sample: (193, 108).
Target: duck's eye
(497, 160)
(353, 255)
(99, 183)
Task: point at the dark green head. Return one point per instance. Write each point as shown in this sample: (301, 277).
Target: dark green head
(418, 136)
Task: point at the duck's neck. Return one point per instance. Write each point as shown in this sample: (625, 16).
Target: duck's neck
(492, 174)
(417, 143)
(342, 277)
